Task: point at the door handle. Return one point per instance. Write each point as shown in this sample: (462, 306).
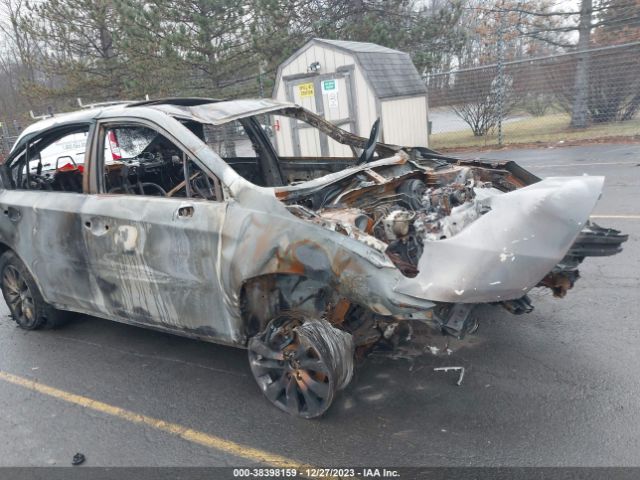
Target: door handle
(96, 226)
(185, 211)
(12, 213)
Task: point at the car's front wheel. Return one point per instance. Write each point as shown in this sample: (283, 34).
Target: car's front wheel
(23, 297)
(300, 363)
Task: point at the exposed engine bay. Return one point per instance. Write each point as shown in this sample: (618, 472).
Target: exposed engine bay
(409, 207)
(419, 214)
(404, 206)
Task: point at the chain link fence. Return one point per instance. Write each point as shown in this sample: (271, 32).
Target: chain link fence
(519, 102)
(9, 131)
(533, 100)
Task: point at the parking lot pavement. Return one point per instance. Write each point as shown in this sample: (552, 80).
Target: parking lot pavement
(559, 386)
(618, 162)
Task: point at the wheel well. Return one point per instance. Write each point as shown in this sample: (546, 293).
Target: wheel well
(3, 248)
(264, 297)
(257, 302)
(6, 248)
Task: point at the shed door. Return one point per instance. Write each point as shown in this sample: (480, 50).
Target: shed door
(330, 96)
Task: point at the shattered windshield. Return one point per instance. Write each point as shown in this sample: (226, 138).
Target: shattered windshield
(132, 141)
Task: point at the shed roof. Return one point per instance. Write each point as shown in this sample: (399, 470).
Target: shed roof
(391, 73)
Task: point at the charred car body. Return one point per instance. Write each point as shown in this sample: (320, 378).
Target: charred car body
(307, 262)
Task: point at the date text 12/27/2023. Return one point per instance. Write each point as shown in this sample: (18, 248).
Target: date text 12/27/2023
(315, 472)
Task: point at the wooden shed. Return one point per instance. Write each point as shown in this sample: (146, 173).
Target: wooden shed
(351, 84)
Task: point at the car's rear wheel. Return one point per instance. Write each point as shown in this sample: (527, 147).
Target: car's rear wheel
(21, 293)
(300, 363)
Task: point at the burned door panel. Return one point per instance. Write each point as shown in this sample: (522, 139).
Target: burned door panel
(155, 261)
(45, 231)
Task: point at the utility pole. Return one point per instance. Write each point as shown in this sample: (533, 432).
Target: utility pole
(580, 111)
(261, 78)
(500, 74)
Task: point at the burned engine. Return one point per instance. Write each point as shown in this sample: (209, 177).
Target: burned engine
(403, 212)
(399, 209)
(419, 213)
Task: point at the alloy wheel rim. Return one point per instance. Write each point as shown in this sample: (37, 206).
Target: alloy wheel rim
(18, 295)
(293, 376)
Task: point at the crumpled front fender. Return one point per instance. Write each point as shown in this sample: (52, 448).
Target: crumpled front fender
(508, 250)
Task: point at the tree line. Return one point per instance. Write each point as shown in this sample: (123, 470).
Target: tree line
(58, 50)
(54, 51)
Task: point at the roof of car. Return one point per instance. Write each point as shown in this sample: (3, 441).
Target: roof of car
(205, 110)
(219, 112)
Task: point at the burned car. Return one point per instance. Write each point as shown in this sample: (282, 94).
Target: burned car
(305, 261)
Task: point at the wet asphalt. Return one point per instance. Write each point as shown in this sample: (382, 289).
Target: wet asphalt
(557, 387)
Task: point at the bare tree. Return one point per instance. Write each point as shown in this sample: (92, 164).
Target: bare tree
(16, 59)
(551, 26)
(480, 93)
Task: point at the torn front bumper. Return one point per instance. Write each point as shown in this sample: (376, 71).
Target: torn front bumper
(510, 249)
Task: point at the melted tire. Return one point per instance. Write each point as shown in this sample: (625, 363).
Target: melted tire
(300, 366)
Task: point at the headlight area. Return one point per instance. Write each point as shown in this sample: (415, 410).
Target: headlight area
(365, 275)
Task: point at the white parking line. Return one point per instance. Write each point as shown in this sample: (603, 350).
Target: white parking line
(628, 217)
(584, 164)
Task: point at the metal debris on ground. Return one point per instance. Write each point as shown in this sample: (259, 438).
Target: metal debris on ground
(454, 369)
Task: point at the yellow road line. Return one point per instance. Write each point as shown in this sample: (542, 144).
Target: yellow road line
(632, 217)
(194, 436)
